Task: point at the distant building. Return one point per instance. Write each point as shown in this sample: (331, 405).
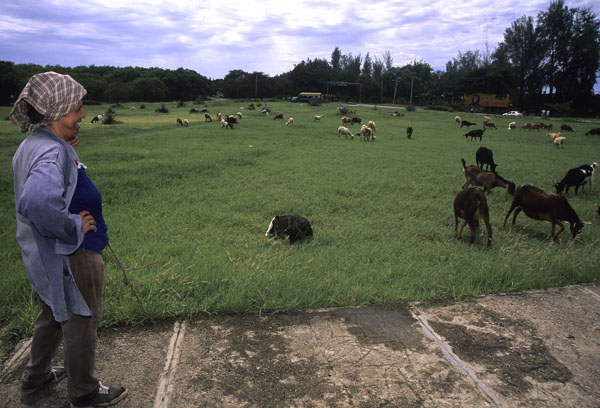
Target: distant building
(487, 100)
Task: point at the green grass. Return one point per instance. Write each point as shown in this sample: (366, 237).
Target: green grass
(187, 209)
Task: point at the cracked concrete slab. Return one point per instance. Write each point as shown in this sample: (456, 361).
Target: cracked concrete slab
(538, 348)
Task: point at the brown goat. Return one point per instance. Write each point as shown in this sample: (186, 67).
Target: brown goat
(487, 179)
(543, 205)
(471, 206)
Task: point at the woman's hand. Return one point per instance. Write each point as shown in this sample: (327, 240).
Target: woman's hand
(89, 223)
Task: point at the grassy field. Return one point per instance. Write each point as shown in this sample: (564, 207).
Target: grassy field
(187, 209)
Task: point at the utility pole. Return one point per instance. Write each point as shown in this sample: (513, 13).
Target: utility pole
(411, 89)
(395, 89)
(256, 87)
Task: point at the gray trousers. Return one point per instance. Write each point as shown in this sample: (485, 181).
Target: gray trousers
(78, 333)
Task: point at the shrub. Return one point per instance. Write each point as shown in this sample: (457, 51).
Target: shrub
(116, 105)
(143, 106)
(315, 102)
(411, 108)
(251, 107)
(440, 108)
(110, 111)
(180, 104)
(162, 109)
(109, 119)
(561, 109)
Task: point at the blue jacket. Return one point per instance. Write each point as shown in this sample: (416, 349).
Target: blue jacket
(45, 175)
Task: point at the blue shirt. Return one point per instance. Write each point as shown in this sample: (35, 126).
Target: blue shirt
(44, 169)
(87, 197)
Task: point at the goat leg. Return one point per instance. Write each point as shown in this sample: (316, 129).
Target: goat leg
(562, 228)
(461, 229)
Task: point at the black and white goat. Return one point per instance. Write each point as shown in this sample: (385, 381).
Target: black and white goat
(577, 177)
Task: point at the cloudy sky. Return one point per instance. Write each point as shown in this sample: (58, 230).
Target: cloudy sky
(214, 37)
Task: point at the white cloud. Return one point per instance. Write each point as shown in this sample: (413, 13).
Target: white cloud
(214, 37)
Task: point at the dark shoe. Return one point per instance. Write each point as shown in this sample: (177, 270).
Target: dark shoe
(106, 397)
(57, 374)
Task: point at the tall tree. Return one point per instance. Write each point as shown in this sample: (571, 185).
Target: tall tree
(336, 57)
(523, 50)
(555, 26)
(367, 69)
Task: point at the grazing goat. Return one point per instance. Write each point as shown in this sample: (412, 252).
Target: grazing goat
(566, 128)
(97, 118)
(544, 205)
(536, 126)
(179, 122)
(467, 123)
(207, 118)
(526, 126)
(264, 112)
(372, 126)
(485, 156)
(559, 141)
(474, 134)
(577, 177)
(355, 120)
(278, 116)
(471, 205)
(409, 132)
(366, 133)
(346, 119)
(457, 120)
(342, 130)
(553, 135)
(595, 131)
(219, 116)
(489, 124)
(487, 179)
(547, 127)
(290, 121)
(231, 120)
(224, 123)
(512, 125)
(239, 115)
(292, 227)
(186, 123)
(318, 117)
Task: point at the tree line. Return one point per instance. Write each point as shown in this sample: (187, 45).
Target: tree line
(549, 62)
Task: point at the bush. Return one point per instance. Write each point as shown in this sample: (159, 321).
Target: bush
(561, 109)
(143, 106)
(162, 109)
(109, 119)
(411, 108)
(110, 111)
(116, 105)
(315, 102)
(251, 107)
(180, 104)
(440, 108)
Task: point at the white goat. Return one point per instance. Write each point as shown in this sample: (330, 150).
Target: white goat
(559, 141)
(372, 126)
(512, 125)
(318, 117)
(290, 121)
(342, 130)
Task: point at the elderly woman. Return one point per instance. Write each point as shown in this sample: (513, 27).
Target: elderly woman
(61, 233)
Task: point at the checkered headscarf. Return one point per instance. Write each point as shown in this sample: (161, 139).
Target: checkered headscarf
(53, 95)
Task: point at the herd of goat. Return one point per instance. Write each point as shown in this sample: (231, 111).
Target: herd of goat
(470, 204)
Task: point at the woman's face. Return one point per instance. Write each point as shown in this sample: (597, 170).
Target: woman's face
(67, 127)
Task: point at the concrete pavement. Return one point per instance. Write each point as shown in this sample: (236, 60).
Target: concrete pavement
(531, 349)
